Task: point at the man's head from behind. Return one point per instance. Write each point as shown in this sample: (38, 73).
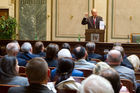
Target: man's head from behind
(90, 46)
(37, 71)
(12, 49)
(114, 57)
(80, 52)
(26, 47)
(96, 84)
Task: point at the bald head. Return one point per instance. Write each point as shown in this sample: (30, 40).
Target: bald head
(94, 12)
(12, 49)
(80, 52)
(96, 84)
(114, 56)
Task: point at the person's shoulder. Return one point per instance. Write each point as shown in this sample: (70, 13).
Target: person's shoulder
(16, 90)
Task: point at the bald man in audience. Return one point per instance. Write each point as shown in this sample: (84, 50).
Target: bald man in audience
(81, 54)
(38, 76)
(12, 49)
(96, 84)
(125, 62)
(114, 59)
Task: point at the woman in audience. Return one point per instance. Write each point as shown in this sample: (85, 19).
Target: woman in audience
(64, 71)
(111, 75)
(9, 72)
(100, 66)
(135, 61)
(51, 54)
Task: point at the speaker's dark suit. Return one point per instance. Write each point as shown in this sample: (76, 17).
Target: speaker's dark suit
(90, 22)
(33, 88)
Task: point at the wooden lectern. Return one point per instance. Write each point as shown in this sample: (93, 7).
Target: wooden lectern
(95, 35)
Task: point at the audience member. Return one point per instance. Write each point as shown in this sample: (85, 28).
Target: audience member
(26, 53)
(12, 49)
(114, 59)
(39, 49)
(81, 54)
(64, 71)
(65, 53)
(51, 54)
(135, 61)
(100, 67)
(114, 78)
(96, 84)
(37, 74)
(9, 72)
(125, 62)
(66, 46)
(90, 47)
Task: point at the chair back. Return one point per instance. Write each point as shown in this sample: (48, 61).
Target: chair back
(66, 91)
(129, 85)
(87, 72)
(79, 79)
(97, 60)
(4, 87)
(22, 71)
(51, 68)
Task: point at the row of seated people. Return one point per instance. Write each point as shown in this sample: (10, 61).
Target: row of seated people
(106, 81)
(52, 51)
(81, 62)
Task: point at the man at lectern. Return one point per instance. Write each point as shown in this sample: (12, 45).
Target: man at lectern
(93, 21)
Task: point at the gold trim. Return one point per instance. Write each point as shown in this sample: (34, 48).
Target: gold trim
(107, 17)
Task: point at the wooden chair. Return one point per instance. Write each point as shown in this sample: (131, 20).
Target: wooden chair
(51, 68)
(97, 60)
(79, 79)
(22, 71)
(66, 91)
(4, 87)
(129, 85)
(137, 74)
(87, 72)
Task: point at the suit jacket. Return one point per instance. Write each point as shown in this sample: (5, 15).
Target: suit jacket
(126, 63)
(95, 56)
(126, 73)
(41, 54)
(26, 55)
(74, 73)
(33, 88)
(82, 63)
(90, 22)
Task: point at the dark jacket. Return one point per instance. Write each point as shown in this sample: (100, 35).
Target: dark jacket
(33, 88)
(90, 22)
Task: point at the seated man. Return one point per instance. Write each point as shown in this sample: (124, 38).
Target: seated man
(26, 53)
(114, 59)
(81, 54)
(37, 74)
(96, 84)
(12, 49)
(39, 49)
(65, 53)
(125, 62)
(90, 47)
